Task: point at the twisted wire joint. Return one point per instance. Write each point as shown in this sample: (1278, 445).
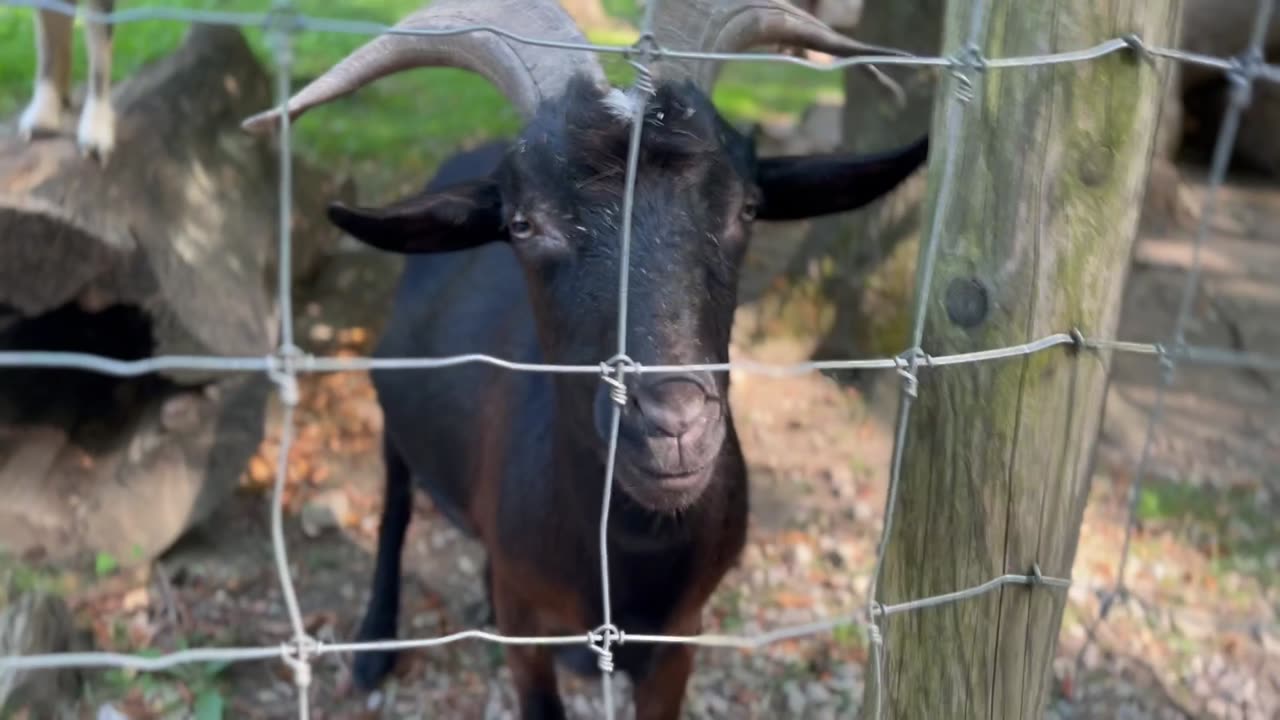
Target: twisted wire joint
(297, 654)
(614, 373)
(600, 641)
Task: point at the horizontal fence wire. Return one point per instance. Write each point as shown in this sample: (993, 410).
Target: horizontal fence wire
(308, 364)
(284, 366)
(1242, 74)
(290, 20)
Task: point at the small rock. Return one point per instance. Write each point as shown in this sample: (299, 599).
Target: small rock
(135, 599)
(181, 413)
(325, 511)
(266, 696)
(717, 705)
(425, 620)
(795, 698)
(800, 556)
(819, 694)
(861, 584)
(109, 712)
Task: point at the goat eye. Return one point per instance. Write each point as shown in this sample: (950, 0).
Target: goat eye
(520, 227)
(749, 209)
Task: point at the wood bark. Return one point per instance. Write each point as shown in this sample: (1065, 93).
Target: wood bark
(1050, 172)
(182, 225)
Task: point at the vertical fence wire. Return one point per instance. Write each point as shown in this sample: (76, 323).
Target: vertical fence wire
(283, 367)
(641, 90)
(1242, 74)
(298, 650)
(965, 65)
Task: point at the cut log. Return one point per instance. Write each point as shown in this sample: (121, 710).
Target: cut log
(168, 249)
(182, 222)
(34, 620)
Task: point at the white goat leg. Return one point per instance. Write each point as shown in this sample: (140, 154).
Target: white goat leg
(50, 108)
(97, 133)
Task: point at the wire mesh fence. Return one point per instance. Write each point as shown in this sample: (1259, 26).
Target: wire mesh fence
(282, 23)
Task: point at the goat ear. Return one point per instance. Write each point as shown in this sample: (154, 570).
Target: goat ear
(458, 217)
(804, 186)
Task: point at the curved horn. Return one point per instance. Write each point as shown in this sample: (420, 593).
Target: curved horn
(526, 74)
(727, 26)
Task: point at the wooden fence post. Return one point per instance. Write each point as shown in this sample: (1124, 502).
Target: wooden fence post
(1050, 167)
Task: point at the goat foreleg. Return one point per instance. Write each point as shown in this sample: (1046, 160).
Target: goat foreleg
(660, 695)
(50, 108)
(97, 132)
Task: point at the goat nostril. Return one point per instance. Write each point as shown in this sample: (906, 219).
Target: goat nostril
(672, 406)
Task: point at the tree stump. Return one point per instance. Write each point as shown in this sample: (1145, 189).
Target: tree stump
(168, 249)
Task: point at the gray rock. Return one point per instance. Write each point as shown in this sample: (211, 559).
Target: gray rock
(324, 512)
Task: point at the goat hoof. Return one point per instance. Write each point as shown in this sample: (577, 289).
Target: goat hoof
(96, 134)
(43, 117)
(371, 668)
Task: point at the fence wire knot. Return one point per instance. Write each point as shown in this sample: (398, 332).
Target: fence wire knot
(1078, 340)
(614, 373)
(1134, 42)
(645, 50)
(283, 19)
(964, 65)
(1244, 69)
(908, 364)
(874, 634)
(282, 369)
(601, 641)
(297, 654)
(1167, 364)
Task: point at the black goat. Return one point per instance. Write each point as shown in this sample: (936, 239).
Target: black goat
(514, 252)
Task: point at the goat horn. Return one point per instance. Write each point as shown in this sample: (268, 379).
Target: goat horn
(727, 26)
(526, 74)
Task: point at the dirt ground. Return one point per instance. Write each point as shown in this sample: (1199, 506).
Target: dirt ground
(1198, 636)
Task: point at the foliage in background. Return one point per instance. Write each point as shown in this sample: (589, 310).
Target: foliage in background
(393, 134)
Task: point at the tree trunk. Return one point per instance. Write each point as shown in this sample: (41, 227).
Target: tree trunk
(169, 249)
(1196, 98)
(858, 244)
(1049, 177)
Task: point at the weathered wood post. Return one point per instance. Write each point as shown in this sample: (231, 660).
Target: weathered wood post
(1050, 167)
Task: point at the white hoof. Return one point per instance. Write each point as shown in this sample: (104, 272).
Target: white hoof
(45, 114)
(97, 133)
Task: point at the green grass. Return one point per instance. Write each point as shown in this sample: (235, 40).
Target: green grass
(1241, 535)
(399, 129)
